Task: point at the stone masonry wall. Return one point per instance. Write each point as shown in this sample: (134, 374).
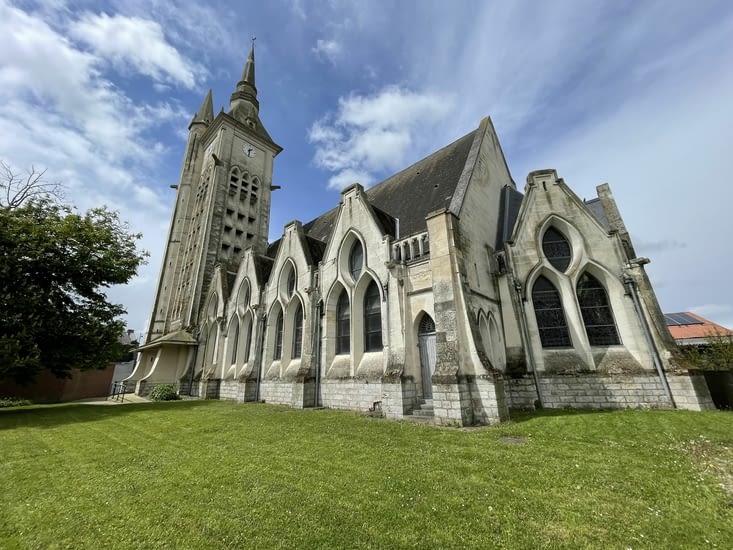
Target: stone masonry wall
(521, 392)
(352, 394)
(229, 390)
(690, 392)
(592, 391)
(272, 391)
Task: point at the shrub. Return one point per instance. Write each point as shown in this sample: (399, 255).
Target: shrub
(13, 402)
(164, 392)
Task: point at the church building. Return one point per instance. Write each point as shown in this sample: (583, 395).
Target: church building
(443, 293)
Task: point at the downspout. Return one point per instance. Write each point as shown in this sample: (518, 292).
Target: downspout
(317, 352)
(656, 359)
(527, 343)
(259, 345)
(196, 334)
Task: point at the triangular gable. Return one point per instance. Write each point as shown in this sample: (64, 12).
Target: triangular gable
(539, 181)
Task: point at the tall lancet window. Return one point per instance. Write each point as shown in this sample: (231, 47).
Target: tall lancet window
(550, 316)
(597, 315)
(279, 336)
(298, 332)
(356, 260)
(343, 324)
(372, 319)
(556, 249)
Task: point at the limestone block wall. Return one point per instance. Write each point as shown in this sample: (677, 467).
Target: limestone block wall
(488, 399)
(521, 392)
(351, 394)
(594, 391)
(229, 390)
(273, 391)
(452, 405)
(690, 392)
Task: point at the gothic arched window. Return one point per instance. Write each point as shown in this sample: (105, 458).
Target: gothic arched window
(597, 316)
(343, 324)
(356, 260)
(550, 316)
(235, 340)
(247, 340)
(291, 282)
(372, 319)
(556, 249)
(279, 336)
(298, 332)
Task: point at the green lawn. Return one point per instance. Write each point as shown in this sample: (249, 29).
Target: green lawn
(210, 474)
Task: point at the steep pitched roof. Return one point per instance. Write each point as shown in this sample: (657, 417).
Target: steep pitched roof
(596, 208)
(509, 204)
(426, 186)
(410, 195)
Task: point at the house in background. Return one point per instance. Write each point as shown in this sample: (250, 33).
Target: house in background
(81, 385)
(690, 329)
(49, 389)
(711, 344)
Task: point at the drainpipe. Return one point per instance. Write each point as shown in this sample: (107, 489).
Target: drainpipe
(196, 334)
(633, 291)
(317, 352)
(527, 342)
(259, 345)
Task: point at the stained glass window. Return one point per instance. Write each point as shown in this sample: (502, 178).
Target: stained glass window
(343, 324)
(279, 336)
(372, 319)
(597, 315)
(356, 260)
(556, 249)
(550, 316)
(298, 332)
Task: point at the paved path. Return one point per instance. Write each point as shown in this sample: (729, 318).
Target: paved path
(129, 398)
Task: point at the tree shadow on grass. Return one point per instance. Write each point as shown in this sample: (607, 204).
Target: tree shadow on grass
(50, 416)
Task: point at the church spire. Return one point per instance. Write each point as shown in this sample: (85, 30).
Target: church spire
(248, 75)
(243, 104)
(205, 113)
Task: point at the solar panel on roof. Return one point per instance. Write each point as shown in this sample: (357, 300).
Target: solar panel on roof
(677, 319)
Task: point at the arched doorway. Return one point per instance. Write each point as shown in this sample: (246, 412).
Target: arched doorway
(426, 343)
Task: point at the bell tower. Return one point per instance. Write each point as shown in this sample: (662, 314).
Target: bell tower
(222, 203)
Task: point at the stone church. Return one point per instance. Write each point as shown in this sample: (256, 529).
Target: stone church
(443, 293)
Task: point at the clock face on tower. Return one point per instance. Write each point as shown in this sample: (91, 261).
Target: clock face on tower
(249, 150)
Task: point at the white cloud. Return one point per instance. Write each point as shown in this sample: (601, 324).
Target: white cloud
(349, 176)
(371, 134)
(135, 42)
(328, 49)
(59, 110)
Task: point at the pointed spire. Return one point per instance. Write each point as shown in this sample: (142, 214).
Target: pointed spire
(248, 75)
(205, 113)
(243, 103)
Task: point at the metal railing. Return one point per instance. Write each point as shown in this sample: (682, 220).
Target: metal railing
(119, 389)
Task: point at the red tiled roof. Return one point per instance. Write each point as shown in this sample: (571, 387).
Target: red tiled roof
(683, 333)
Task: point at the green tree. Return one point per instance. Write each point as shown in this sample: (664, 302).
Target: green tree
(54, 266)
(715, 354)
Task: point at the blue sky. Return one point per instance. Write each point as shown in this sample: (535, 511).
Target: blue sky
(636, 94)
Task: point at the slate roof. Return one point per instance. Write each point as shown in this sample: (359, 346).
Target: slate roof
(596, 208)
(410, 195)
(426, 186)
(509, 203)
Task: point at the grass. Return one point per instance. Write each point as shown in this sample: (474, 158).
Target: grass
(210, 474)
